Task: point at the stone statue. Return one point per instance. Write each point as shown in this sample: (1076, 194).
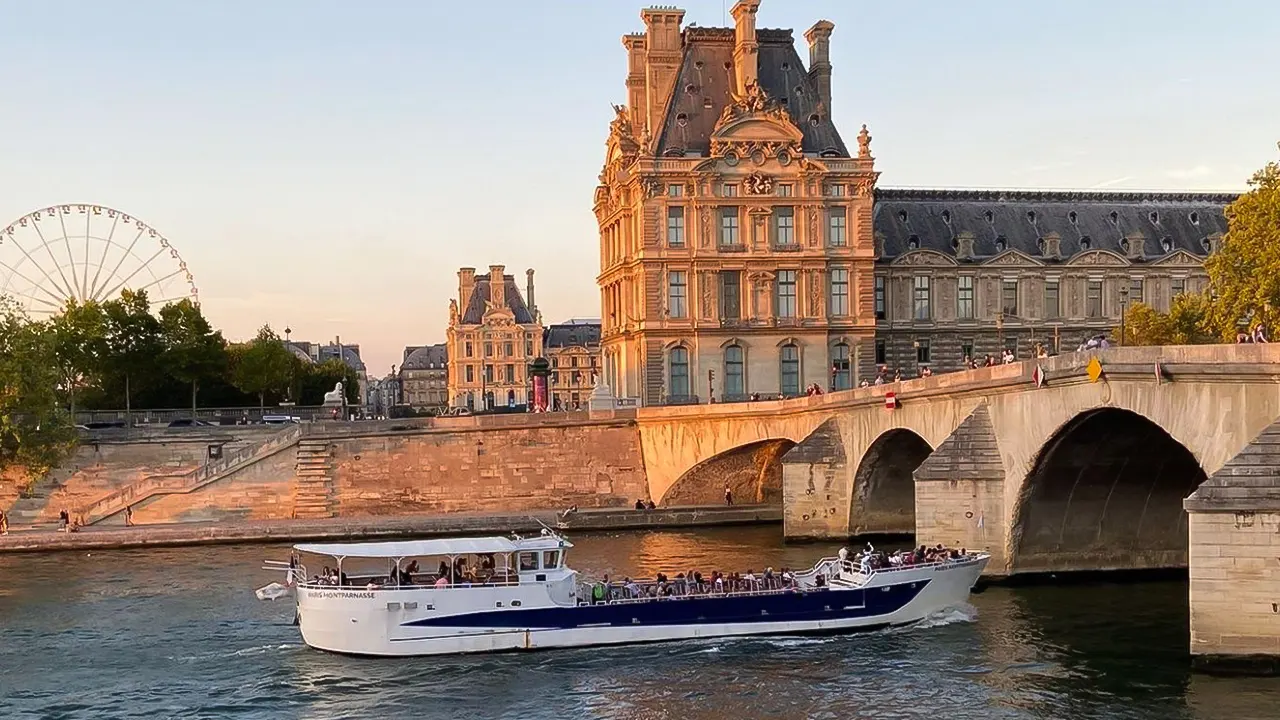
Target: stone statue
(621, 125)
(815, 295)
(754, 100)
(864, 143)
(708, 295)
(334, 396)
(453, 312)
(758, 183)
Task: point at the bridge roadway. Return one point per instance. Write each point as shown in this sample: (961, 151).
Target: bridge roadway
(1170, 458)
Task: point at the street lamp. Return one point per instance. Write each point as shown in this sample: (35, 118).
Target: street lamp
(1124, 301)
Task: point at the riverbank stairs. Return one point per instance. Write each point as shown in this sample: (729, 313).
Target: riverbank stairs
(313, 494)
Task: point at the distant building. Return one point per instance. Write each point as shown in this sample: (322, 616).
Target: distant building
(424, 377)
(384, 394)
(493, 336)
(573, 348)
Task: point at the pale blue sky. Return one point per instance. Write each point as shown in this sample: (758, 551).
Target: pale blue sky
(329, 165)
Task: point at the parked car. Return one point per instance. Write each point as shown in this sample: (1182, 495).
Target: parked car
(280, 419)
(189, 422)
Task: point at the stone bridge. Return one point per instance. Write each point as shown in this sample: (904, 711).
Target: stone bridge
(1073, 474)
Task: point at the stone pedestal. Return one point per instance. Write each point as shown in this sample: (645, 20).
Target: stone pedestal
(601, 402)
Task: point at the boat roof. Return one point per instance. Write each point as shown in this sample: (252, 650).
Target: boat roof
(435, 546)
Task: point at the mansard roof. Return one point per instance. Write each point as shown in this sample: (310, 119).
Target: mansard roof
(704, 87)
(425, 357)
(1172, 223)
(585, 334)
(473, 314)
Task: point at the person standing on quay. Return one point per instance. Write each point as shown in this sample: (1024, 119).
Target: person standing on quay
(4, 523)
(728, 495)
(128, 515)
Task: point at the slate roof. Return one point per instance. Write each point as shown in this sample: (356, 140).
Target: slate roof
(704, 86)
(350, 355)
(474, 312)
(425, 357)
(570, 334)
(933, 219)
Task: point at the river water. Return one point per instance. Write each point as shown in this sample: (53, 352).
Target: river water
(179, 634)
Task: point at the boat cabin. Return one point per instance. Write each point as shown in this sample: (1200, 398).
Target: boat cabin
(438, 563)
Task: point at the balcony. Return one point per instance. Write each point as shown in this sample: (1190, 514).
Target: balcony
(789, 247)
(736, 248)
(681, 400)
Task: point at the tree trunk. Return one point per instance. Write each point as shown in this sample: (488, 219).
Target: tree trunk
(194, 387)
(128, 407)
(262, 402)
(71, 391)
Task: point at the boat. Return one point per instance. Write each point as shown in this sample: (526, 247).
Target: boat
(492, 594)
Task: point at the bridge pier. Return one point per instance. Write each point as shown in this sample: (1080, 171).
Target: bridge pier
(1234, 566)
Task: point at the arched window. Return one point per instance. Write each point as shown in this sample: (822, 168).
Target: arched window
(679, 385)
(790, 367)
(840, 378)
(734, 380)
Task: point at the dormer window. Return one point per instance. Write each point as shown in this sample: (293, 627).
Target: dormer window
(1085, 243)
(1167, 244)
(913, 242)
(1001, 244)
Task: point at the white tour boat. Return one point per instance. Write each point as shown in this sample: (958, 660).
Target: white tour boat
(516, 593)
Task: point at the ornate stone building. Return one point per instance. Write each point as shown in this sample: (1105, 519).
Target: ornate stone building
(424, 377)
(573, 349)
(975, 272)
(493, 335)
(735, 225)
(744, 249)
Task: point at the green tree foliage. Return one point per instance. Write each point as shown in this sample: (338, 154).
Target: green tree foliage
(133, 342)
(261, 365)
(79, 339)
(1186, 323)
(35, 432)
(193, 351)
(1244, 274)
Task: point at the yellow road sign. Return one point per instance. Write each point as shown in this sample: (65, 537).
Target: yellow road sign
(1094, 369)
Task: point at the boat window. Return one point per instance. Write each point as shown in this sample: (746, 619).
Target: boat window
(528, 561)
(551, 559)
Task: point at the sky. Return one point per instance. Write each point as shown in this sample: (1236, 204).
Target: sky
(327, 166)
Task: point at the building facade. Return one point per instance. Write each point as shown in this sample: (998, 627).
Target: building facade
(736, 243)
(337, 350)
(424, 377)
(746, 251)
(493, 335)
(573, 349)
(973, 273)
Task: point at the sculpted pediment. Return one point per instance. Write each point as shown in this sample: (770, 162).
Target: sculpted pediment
(1099, 257)
(1013, 258)
(927, 258)
(758, 128)
(1180, 258)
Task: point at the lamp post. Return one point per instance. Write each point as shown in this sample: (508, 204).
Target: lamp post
(1124, 302)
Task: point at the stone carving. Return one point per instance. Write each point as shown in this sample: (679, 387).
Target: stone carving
(706, 228)
(1097, 257)
(453, 312)
(1180, 257)
(864, 144)
(813, 226)
(334, 396)
(815, 294)
(708, 294)
(1011, 258)
(862, 187)
(652, 187)
(620, 126)
(924, 258)
(757, 183)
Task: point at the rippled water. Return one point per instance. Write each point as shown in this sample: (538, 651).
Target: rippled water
(178, 633)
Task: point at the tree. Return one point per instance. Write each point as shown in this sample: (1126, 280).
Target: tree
(34, 431)
(316, 379)
(132, 341)
(1186, 323)
(1244, 274)
(193, 351)
(261, 365)
(78, 336)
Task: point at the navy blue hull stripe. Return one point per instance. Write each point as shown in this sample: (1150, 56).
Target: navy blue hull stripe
(701, 610)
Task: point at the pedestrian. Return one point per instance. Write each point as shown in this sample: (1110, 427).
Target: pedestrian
(728, 495)
(4, 523)
(64, 519)
(128, 515)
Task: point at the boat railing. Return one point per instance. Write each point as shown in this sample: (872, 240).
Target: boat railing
(619, 594)
(363, 583)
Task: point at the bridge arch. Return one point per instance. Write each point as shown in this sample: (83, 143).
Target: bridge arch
(753, 472)
(1105, 492)
(883, 499)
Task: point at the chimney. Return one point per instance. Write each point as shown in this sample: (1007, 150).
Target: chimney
(533, 306)
(466, 283)
(964, 245)
(637, 94)
(497, 285)
(663, 50)
(746, 48)
(1051, 245)
(819, 37)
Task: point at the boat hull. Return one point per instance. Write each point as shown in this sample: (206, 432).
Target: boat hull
(426, 621)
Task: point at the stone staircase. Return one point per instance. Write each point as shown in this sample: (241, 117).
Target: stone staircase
(313, 495)
(207, 473)
(26, 511)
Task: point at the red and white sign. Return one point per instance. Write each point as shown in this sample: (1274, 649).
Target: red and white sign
(1037, 376)
(890, 400)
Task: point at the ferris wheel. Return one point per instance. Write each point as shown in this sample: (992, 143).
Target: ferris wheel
(88, 253)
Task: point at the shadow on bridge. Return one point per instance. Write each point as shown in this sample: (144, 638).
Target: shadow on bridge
(883, 500)
(752, 472)
(1105, 493)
